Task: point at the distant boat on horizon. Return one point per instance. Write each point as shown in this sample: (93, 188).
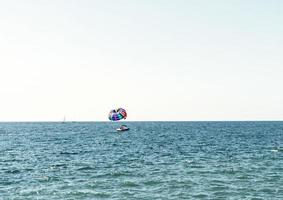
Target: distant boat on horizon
(64, 120)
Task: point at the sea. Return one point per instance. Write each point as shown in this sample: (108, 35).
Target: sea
(153, 160)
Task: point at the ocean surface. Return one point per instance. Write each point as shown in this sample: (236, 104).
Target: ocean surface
(154, 160)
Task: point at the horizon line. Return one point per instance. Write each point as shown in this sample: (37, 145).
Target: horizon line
(104, 121)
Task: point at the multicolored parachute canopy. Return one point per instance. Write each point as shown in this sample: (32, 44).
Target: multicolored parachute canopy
(118, 114)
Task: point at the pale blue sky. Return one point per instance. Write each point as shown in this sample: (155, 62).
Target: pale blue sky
(160, 60)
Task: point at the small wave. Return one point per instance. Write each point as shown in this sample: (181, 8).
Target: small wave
(189, 161)
(152, 183)
(47, 178)
(102, 195)
(88, 193)
(200, 196)
(86, 168)
(69, 153)
(220, 194)
(219, 188)
(44, 178)
(197, 166)
(118, 174)
(59, 165)
(129, 184)
(276, 149)
(12, 171)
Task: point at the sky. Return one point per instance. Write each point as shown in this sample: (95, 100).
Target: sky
(161, 60)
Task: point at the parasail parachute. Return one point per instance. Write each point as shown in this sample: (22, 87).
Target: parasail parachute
(117, 114)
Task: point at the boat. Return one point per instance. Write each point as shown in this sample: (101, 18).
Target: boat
(123, 128)
(64, 120)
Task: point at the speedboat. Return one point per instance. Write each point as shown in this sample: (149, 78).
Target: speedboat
(123, 128)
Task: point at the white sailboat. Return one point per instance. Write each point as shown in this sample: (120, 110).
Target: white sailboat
(64, 120)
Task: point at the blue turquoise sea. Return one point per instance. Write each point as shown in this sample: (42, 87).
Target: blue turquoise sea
(154, 160)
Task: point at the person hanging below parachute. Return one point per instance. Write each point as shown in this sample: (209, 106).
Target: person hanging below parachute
(116, 115)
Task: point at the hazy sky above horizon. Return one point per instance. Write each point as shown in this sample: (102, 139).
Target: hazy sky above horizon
(160, 60)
